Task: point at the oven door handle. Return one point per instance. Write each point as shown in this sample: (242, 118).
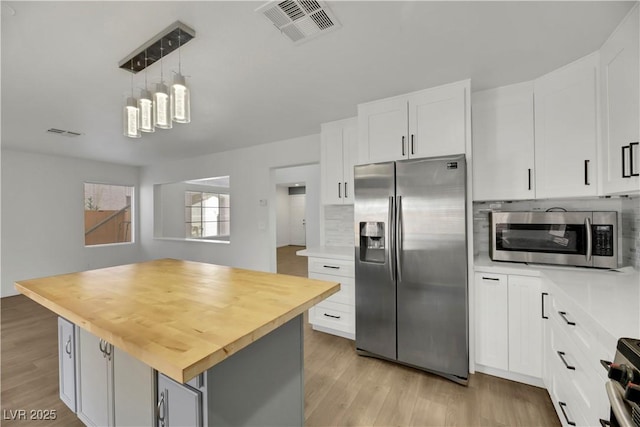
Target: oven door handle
(587, 226)
(623, 416)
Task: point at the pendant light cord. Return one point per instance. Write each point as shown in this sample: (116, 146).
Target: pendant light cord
(146, 71)
(179, 52)
(161, 61)
(131, 77)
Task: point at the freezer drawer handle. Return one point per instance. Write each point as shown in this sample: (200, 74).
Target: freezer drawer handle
(332, 266)
(543, 310)
(562, 405)
(332, 316)
(561, 354)
(563, 314)
(490, 278)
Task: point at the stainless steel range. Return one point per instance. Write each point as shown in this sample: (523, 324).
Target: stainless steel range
(623, 388)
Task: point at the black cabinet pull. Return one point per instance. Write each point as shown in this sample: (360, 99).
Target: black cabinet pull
(332, 316)
(586, 172)
(345, 190)
(412, 144)
(604, 423)
(631, 172)
(562, 406)
(626, 147)
(403, 145)
(561, 354)
(543, 316)
(490, 278)
(331, 266)
(529, 172)
(339, 191)
(563, 314)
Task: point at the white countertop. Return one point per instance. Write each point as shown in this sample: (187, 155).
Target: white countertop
(333, 252)
(610, 297)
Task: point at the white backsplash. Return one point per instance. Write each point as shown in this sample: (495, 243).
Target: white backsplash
(338, 225)
(628, 225)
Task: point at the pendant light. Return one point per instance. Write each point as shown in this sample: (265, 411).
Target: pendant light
(145, 104)
(180, 96)
(131, 114)
(161, 100)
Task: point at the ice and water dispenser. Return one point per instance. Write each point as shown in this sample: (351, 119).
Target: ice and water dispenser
(372, 242)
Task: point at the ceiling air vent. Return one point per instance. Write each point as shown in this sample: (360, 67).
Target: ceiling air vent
(62, 132)
(300, 20)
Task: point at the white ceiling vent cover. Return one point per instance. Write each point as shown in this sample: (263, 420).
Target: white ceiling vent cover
(300, 20)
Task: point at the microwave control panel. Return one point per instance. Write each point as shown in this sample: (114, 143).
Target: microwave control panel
(602, 240)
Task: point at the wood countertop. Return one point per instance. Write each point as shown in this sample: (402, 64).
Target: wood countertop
(179, 317)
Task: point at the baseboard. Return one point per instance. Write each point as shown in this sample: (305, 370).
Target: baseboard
(342, 334)
(512, 376)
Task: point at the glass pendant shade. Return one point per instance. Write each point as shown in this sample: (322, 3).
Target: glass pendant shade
(131, 118)
(145, 105)
(162, 107)
(180, 100)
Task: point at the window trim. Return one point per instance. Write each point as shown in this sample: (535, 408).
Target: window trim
(133, 215)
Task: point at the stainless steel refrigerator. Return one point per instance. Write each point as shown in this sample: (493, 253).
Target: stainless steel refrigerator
(411, 264)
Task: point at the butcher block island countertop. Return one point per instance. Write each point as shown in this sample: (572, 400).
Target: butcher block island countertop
(179, 317)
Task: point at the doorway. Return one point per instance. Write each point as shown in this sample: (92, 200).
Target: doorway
(291, 228)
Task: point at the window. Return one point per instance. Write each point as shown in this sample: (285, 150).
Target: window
(207, 215)
(107, 214)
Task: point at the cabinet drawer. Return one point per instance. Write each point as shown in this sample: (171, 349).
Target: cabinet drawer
(335, 267)
(585, 386)
(574, 324)
(334, 316)
(346, 294)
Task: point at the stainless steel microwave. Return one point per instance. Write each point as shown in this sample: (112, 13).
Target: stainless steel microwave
(569, 238)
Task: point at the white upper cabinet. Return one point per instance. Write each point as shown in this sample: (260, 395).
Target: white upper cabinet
(427, 123)
(503, 143)
(620, 151)
(338, 152)
(566, 130)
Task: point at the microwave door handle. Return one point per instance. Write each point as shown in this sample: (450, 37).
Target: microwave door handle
(587, 225)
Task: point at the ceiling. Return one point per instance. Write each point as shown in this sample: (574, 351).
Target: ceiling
(250, 84)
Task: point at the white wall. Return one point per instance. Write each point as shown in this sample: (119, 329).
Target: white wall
(252, 177)
(43, 217)
(282, 216)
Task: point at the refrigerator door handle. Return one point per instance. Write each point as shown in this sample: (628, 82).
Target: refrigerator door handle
(390, 230)
(398, 239)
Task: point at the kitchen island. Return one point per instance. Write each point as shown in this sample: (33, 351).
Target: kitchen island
(175, 320)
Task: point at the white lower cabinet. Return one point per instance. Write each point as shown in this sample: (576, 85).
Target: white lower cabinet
(335, 315)
(572, 374)
(508, 324)
(67, 362)
(113, 388)
(178, 404)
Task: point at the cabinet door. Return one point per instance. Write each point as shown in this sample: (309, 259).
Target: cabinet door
(331, 163)
(93, 382)
(382, 129)
(566, 130)
(621, 111)
(132, 390)
(437, 122)
(178, 404)
(525, 326)
(67, 362)
(503, 144)
(349, 156)
(491, 320)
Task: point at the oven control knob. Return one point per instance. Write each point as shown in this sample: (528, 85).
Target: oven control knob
(621, 373)
(632, 393)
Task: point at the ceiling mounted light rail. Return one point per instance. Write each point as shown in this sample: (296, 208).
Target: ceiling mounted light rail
(164, 106)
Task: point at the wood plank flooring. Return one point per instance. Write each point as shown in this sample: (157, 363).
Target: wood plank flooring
(341, 388)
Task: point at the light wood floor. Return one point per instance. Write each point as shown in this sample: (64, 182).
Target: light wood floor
(290, 263)
(341, 388)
